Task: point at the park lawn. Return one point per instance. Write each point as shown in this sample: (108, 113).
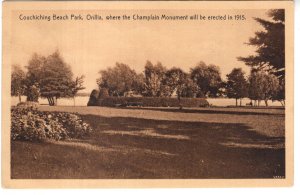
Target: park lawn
(161, 143)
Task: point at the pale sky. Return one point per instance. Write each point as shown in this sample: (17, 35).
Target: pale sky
(90, 46)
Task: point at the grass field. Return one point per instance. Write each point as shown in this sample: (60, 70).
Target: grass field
(161, 143)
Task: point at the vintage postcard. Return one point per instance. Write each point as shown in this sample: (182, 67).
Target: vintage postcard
(147, 94)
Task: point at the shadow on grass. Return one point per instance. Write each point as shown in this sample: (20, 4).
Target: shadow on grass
(123, 147)
(197, 149)
(208, 111)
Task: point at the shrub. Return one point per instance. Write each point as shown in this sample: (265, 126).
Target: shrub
(103, 93)
(75, 126)
(93, 98)
(29, 124)
(33, 94)
(154, 101)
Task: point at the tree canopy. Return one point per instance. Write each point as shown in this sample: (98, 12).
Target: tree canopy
(237, 85)
(208, 79)
(263, 86)
(154, 74)
(175, 80)
(118, 80)
(17, 81)
(270, 44)
(56, 78)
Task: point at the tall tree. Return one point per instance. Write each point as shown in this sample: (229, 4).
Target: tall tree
(262, 86)
(176, 81)
(118, 80)
(17, 81)
(208, 79)
(33, 77)
(56, 79)
(237, 85)
(270, 44)
(154, 74)
(139, 84)
(191, 89)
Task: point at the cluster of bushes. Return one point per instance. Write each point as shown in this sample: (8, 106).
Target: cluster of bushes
(151, 102)
(30, 124)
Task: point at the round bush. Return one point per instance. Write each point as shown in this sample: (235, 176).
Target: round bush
(29, 124)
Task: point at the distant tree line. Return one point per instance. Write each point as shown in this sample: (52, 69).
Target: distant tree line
(158, 81)
(48, 77)
(202, 81)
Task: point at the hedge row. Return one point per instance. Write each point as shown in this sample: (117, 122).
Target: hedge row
(152, 102)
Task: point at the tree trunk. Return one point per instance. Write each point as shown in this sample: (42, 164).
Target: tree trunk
(20, 98)
(49, 101)
(258, 103)
(54, 101)
(179, 99)
(266, 102)
(236, 102)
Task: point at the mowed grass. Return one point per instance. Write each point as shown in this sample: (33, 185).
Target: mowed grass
(166, 143)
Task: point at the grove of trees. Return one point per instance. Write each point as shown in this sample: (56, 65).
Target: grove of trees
(263, 86)
(48, 77)
(270, 51)
(202, 81)
(158, 81)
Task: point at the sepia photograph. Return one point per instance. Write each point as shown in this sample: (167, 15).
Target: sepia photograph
(149, 90)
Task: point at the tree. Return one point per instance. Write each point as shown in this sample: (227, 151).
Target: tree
(33, 93)
(139, 84)
(56, 79)
(154, 74)
(270, 44)
(33, 77)
(208, 79)
(77, 85)
(280, 96)
(272, 88)
(191, 89)
(176, 81)
(237, 85)
(118, 80)
(17, 81)
(103, 93)
(262, 86)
